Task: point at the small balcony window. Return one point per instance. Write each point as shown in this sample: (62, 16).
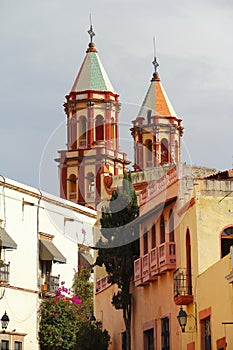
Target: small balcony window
(182, 287)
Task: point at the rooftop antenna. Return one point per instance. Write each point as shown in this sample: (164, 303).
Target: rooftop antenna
(90, 31)
(155, 63)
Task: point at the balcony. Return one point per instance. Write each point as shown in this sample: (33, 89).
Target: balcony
(182, 287)
(167, 256)
(138, 272)
(159, 260)
(72, 196)
(145, 268)
(82, 142)
(51, 284)
(102, 284)
(154, 266)
(4, 272)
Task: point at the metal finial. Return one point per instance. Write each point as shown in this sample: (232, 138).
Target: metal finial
(90, 31)
(155, 63)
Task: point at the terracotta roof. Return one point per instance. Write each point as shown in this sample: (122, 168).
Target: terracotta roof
(222, 175)
(156, 100)
(92, 75)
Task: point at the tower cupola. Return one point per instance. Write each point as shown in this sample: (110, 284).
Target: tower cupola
(92, 110)
(157, 129)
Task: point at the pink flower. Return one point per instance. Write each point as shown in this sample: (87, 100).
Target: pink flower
(62, 283)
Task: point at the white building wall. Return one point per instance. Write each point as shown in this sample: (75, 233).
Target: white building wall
(25, 212)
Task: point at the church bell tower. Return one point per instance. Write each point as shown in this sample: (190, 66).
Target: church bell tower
(157, 130)
(92, 110)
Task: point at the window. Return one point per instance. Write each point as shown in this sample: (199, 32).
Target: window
(18, 345)
(165, 333)
(73, 132)
(164, 152)
(221, 344)
(226, 240)
(149, 339)
(188, 263)
(145, 242)
(5, 345)
(99, 128)
(90, 186)
(123, 341)
(148, 150)
(153, 236)
(82, 131)
(162, 230)
(205, 334)
(171, 226)
(72, 183)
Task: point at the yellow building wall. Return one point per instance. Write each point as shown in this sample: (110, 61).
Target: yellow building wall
(215, 292)
(213, 215)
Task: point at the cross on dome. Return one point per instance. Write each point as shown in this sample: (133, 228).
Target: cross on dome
(90, 31)
(155, 63)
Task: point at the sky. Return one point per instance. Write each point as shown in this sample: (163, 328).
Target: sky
(43, 44)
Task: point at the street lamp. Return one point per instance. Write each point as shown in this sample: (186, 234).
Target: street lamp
(92, 319)
(182, 319)
(5, 320)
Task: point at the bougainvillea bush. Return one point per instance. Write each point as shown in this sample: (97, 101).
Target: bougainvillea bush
(59, 320)
(65, 319)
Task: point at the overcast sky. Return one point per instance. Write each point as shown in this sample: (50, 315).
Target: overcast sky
(43, 44)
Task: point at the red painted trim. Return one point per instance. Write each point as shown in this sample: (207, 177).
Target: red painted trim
(205, 313)
(221, 343)
(117, 131)
(185, 207)
(191, 346)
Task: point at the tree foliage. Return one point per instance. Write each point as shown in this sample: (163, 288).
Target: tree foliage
(91, 337)
(83, 287)
(120, 246)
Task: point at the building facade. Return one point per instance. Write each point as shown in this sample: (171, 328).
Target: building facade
(42, 239)
(185, 216)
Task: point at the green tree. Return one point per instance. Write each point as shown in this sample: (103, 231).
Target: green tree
(120, 246)
(91, 337)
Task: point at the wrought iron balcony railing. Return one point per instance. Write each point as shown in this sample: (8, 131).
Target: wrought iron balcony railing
(4, 272)
(51, 284)
(182, 287)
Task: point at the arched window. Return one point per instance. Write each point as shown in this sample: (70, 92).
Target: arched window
(188, 263)
(145, 242)
(153, 236)
(72, 183)
(90, 186)
(112, 130)
(148, 151)
(162, 229)
(72, 132)
(171, 226)
(82, 131)
(226, 241)
(99, 128)
(164, 152)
